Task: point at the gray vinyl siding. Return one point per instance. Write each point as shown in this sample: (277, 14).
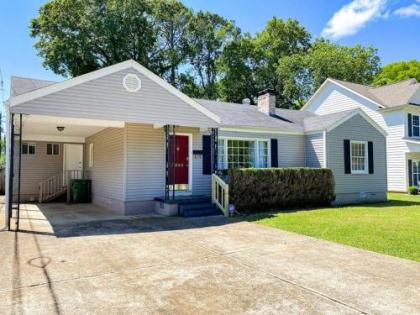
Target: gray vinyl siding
(314, 150)
(106, 98)
(107, 173)
(146, 162)
(356, 128)
(36, 168)
(291, 148)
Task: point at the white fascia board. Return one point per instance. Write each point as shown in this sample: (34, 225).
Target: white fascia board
(327, 81)
(260, 130)
(106, 71)
(52, 138)
(361, 113)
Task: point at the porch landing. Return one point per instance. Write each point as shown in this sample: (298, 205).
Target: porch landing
(187, 206)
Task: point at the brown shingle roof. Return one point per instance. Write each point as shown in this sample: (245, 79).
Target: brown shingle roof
(388, 95)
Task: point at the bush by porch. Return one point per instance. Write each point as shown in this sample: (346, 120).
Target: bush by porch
(254, 190)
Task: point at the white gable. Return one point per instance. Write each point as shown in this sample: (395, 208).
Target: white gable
(106, 97)
(332, 98)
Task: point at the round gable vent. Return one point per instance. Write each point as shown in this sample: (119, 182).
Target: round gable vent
(132, 82)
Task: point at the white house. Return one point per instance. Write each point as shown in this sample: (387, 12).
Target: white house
(395, 107)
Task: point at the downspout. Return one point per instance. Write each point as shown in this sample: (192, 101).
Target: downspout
(324, 135)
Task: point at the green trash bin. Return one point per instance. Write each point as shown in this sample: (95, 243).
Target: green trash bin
(81, 190)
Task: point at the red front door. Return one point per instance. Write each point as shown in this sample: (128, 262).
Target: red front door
(180, 158)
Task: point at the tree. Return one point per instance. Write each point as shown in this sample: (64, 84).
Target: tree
(249, 64)
(239, 66)
(304, 73)
(208, 35)
(171, 20)
(77, 36)
(398, 71)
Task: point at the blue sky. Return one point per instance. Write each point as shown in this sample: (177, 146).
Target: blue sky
(390, 25)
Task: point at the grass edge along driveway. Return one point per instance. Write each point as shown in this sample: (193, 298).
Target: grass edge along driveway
(391, 228)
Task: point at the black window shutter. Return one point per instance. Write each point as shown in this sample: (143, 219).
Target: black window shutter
(410, 132)
(410, 173)
(370, 156)
(206, 155)
(274, 153)
(347, 168)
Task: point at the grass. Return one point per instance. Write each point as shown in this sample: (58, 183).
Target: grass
(391, 228)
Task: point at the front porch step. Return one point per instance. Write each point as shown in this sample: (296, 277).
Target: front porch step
(190, 210)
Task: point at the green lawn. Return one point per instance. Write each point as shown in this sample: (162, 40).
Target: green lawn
(392, 228)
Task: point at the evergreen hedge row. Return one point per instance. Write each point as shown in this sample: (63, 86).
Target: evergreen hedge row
(254, 190)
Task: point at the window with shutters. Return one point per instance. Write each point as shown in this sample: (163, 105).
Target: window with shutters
(415, 126)
(243, 153)
(359, 157)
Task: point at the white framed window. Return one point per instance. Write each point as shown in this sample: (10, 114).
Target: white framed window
(415, 126)
(53, 149)
(28, 148)
(359, 157)
(90, 155)
(415, 170)
(243, 153)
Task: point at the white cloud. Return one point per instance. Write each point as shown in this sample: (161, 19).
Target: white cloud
(354, 16)
(411, 10)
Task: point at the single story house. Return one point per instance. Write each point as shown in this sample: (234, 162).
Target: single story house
(137, 138)
(394, 107)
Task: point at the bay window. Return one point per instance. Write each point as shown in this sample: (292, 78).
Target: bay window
(242, 153)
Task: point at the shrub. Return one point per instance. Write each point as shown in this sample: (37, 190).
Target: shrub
(253, 190)
(413, 190)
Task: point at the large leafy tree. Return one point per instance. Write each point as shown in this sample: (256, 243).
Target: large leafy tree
(304, 73)
(240, 66)
(172, 21)
(208, 35)
(78, 36)
(249, 64)
(398, 71)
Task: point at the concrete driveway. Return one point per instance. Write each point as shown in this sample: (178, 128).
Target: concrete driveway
(195, 266)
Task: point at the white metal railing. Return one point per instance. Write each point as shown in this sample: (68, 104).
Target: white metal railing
(58, 184)
(220, 194)
(51, 187)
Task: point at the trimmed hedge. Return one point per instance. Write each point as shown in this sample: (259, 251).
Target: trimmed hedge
(253, 190)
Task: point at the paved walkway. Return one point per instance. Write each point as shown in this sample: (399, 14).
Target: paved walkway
(196, 266)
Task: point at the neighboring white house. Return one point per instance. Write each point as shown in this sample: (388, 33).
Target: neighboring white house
(140, 140)
(395, 107)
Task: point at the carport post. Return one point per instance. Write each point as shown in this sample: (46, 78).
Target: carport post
(19, 172)
(9, 167)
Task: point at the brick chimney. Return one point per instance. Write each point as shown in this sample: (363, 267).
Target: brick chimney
(267, 101)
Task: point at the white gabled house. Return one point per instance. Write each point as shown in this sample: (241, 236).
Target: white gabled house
(395, 107)
(146, 146)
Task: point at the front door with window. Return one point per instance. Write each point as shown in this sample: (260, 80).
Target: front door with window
(179, 174)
